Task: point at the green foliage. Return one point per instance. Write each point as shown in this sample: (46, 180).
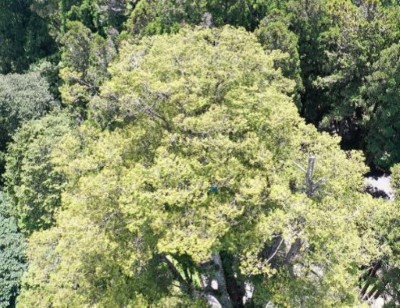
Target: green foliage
(381, 92)
(395, 180)
(97, 15)
(273, 33)
(181, 158)
(48, 70)
(156, 17)
(333, 46)
(202, 156)
(24, 36)
(12, 255)
(85, 57)
(30, 178)
(383, 275)
(86, 31)
(352, 44)
(22, 98)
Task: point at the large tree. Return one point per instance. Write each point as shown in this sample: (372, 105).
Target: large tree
(196, 168)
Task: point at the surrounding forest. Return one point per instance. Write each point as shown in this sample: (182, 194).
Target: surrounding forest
(209, 153)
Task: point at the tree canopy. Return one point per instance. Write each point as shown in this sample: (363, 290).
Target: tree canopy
(163, 153)
(201, 166)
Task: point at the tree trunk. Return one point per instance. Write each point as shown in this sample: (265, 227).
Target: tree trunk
(214, 272)
(235, 287)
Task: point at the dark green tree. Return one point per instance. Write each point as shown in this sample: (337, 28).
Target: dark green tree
(12, 255)
(352, 44)
(382, 96)
(274, 34)
(24, 36)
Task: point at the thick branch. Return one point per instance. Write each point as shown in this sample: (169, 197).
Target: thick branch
(309, 176)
